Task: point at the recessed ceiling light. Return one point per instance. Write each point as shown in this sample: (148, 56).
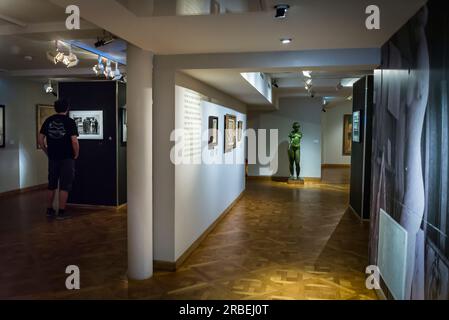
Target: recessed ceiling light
(28, 58)
(286, 40)
(281, 10)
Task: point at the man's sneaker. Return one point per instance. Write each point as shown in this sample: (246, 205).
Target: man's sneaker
(62, 215)
(51, 213)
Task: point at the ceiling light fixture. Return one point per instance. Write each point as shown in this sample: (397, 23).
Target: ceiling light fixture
(274, 83)
(339, 87)
(48, 88)
(281, 11)
(105, 40)
(307, 74)
(309, 81)
(286, 40)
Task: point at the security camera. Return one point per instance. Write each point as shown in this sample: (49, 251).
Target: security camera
(281, 10)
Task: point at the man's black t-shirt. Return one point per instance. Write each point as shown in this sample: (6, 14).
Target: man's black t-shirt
(59, 130)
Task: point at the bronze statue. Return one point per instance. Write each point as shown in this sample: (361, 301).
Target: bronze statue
(294, 149)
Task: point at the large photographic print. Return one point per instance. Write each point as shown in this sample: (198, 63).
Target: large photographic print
(410, 160)
(43, 112)
(89, 123)
(2, 127)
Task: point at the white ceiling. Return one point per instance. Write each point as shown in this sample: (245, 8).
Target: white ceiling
(290, 81)
(313, 24)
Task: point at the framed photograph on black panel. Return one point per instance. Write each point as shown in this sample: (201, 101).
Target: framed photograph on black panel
(213, 132)
(89, 123)
(2, 127)
(356, 118)
(124, 124)
(230, 133)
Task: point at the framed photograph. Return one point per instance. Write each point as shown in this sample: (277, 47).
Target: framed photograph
(89, 123)
(2, 127)
(230, 132)
(356, 126)
(239, 130)
(43, 112)
(124, 123)
(347, 134)
(213, 132)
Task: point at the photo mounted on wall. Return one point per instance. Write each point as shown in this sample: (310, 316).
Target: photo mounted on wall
(347, 134)
(43, 112)
(2, 127)
(356, 126)
(240, 130)
(124, 122)
(230, 132)
(213, 132)
(89, 123)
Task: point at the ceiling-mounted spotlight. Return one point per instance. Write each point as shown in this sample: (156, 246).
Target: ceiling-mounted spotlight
(281, 11)
(312, 94)
(309, 81)
(274, 83)
(307, 74)
(349, 98)
(286, 40)
(324, 102)
(99, 67)
(105, 40)
(70, 60)
(108, 69)
(323, 110)
(339, 86)
(116, 74)
(48, 88)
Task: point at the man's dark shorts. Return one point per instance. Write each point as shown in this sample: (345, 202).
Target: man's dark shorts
(62, 171)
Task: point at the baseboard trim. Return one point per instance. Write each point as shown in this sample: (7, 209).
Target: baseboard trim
(307, 180)
(356, 214)
(24, 190)
(334, 166)
(94, 207)
(173, 266)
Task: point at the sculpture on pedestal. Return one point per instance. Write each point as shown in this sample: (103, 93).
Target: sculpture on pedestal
(294, 151)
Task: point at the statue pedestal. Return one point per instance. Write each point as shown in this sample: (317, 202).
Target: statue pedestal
(298, 181)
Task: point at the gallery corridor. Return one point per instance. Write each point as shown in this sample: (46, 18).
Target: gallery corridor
(277, 242)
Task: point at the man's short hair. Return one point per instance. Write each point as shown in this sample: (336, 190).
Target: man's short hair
(61, 106)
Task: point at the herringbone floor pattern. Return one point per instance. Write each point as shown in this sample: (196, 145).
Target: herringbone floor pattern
(278, 242)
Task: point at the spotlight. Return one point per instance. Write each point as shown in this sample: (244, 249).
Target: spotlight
(99, 68)
(339, 86)
(312, 94)
(48, 88)
(324, 110)
(307, 74)
(116, 74)
(309, 82)
(286, 40)
(70, 60)
(108, 69)
(101, 42)
(281, 11)
(275, 84)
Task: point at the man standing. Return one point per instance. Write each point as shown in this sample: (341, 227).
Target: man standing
(58, 138)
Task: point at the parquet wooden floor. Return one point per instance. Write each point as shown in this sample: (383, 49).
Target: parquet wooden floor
(278, 242)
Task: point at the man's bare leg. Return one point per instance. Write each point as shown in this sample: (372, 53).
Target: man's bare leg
(63, 195)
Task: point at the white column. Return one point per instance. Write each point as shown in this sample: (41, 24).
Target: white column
(140, 163)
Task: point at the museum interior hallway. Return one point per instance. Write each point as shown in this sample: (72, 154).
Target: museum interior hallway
(277, 242)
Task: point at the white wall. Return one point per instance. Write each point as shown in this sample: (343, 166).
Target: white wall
(204, 191)
(307, 112)
(22, 165)
(332, 124)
